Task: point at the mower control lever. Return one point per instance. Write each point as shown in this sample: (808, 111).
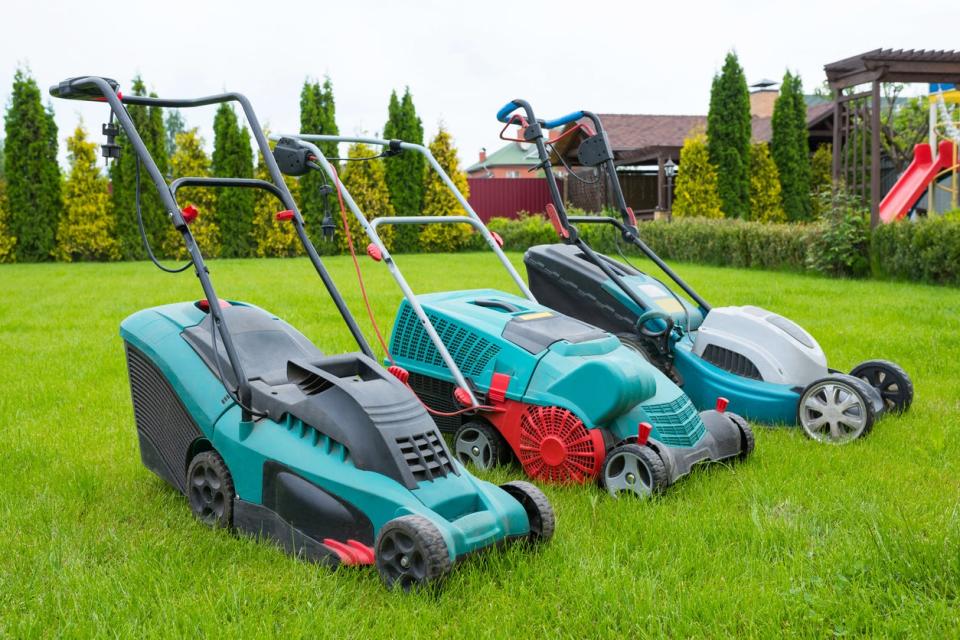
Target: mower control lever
(82, 88)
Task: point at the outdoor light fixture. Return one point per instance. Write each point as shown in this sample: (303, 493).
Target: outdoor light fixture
(670, 168)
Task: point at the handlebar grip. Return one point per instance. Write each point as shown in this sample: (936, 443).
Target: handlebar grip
(505, 111)
(570, 117)
(82, 88)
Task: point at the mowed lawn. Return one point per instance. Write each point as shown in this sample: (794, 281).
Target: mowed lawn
(804, 539)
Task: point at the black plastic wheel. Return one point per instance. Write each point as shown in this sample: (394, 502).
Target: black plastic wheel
(747, 440)
(411, 552)
(540, 514)
(837, 409)
(635, 470)
(210, 490)
(478, 443)
(893, 383)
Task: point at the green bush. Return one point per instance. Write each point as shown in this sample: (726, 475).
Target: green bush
(840, 244)
(927, 250)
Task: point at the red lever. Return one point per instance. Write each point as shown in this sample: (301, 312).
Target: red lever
(631, 217)
(722, 404)
(643, 432)
(204, 304)
(399, 373)
(555, 221)
(189, 213)
(374, 252)
(497, 238)
(463, 397)
(286, 214)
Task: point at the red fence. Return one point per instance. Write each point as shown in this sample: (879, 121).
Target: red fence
(504, 197)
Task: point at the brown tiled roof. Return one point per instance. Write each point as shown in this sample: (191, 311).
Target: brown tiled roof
(763, 127)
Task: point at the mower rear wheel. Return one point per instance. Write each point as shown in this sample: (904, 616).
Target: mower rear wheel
(210, 490)
(540, 514)
(478, 443)
(747, 440)
(890, 380)
(411, 553)
(836, 409)
(635, 470)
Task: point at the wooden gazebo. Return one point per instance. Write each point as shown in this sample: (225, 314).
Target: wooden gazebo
(856, 115)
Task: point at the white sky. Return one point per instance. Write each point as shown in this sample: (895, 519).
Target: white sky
(462, 60)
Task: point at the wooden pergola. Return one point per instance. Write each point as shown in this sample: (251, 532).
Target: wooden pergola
(856, 116)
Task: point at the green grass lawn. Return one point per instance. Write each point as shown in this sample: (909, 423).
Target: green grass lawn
(804, 539)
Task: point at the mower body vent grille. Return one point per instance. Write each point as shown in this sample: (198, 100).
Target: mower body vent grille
(437, 394)
(312, 384)
(426, 456)
(731, 361)
(470, 351)
(677, 422)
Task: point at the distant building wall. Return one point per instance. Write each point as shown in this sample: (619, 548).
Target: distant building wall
(504, 197)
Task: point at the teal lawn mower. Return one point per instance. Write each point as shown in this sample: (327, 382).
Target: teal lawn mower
(767, 366)
(509, 377)
(329, 456)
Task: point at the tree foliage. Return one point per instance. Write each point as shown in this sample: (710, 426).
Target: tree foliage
(274, 238)
(405, 171)
(7, 240)
(233, 158)
(174, 125)
(87, 227)
(765, 202)
(903, 125)
(367, 184)
(149, 124)
(791, 148)
(438, 200)
(821, 176)
(190, 159)
(728, 137)
(34, 202)
(696, 193)
(317, 115)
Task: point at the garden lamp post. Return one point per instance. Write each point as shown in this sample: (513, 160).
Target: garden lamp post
(670, 168)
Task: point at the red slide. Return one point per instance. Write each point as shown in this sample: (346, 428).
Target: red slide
(915, 179)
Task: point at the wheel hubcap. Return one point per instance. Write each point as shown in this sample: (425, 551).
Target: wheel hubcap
(401, 559)
(625, 472)
(474, 447)
(206, 494)
(887, 384)
(833, 412)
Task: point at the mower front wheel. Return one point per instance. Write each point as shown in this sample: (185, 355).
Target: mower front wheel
(210, 490)
(635, 470)
(890, 380)
(747, 439)
(411, 552)
(540, 514)
(478, 443)
(836, 409)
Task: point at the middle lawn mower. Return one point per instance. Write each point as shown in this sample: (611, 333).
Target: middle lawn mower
(511, 377)
(768, 367)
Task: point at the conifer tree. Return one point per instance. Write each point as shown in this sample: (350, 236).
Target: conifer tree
(405, 171)
(174, 125)
(366, 182)
(86, 229)
(728, 137)
(821, 177)
(765, 203)
(696, 192)
(7, 240)
(438, 200)
(34, 203)
(190, 159)
(233, 158)
(317, 115)
(791, 148)
(274, 238)
(149, 124)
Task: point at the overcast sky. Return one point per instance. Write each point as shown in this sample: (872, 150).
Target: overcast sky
(461, 60)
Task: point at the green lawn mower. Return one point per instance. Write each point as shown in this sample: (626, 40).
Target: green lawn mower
(509, 377)
(329, 456)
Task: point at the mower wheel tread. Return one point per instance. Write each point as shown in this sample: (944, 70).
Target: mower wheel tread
(417, 539)
(540, 513)
(658, 480)
(904, 383)
(480, 433)
(747, 438)
(210, 490)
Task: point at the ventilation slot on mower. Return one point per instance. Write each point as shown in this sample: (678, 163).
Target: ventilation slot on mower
(426, 456)
(470, 351)
(438, 395)
(312, 384)
(677, 423)
(731, 361)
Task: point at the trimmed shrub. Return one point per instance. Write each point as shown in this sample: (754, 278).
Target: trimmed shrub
(926, 250)
(840, 245)
(765, 202)
(190, 159)
(696, 191)
(728, 137)
(7, 240)
(367, 183)
(438, 200)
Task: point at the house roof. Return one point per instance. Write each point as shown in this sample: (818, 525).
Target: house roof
(512, 154)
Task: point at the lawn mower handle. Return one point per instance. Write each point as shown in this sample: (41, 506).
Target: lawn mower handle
(504, 114)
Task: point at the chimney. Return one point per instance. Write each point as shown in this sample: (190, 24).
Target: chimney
(483, 154)
(762, 96)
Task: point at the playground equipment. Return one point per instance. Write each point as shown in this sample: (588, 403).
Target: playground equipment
(927, 173)
(510, 377)
(768, 367)
(329, 456)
